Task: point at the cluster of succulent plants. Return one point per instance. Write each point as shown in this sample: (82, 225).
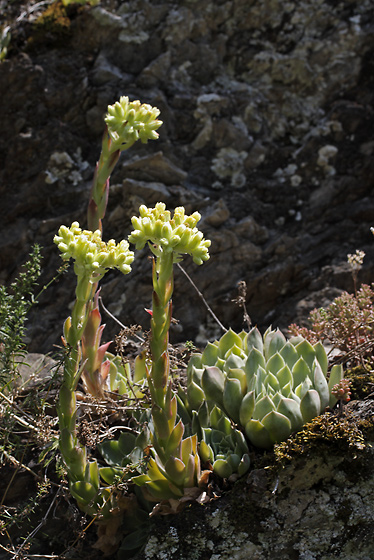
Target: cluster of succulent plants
(268, 386)
(243, 388)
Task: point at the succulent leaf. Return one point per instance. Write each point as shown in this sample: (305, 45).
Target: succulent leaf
(246, 408)
(254, 340)
(212, 382)
(336, 375)
(232, 396)
(277, 425)
(228, 341)
(273, 342)
(321, 356)
(306, 350)
(310, 405)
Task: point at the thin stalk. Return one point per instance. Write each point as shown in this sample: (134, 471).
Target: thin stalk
(210, 310)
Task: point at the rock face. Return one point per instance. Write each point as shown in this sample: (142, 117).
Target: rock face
(319, 507)
(268, 112)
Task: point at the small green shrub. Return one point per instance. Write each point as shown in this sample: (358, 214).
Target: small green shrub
(15, 303)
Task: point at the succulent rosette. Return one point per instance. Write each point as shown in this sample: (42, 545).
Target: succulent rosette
(268, 386)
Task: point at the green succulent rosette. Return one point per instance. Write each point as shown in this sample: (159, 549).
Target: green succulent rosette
(165, 233)
(268, 386)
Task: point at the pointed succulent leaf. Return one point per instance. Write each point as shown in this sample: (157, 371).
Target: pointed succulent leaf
(159, 490)
(273, 342)
(263, 407)
(92, 474)
(213, 383)
(196, 426)
(272, 382)
(254, 360)
(83, 492)
(234, 361)
(215, 416)
(140, 367)
(238, 373)
(224, 425)
(203, 415)
(289, 354)
(286, 391)
(284, 376)
(195, 395)
(244, 464)
(195, 362)
(195, 374)
(291, 409)
(161, 422)
(320, 384)
(277, 425)
(126, 442)
(254, 340)
(303, 388)
(300, 371)
(321, 356)
(306, 350)
(186, 449)
(175, 469)
(175, 438)
(227, 342)
(310, 405)
(155, 470)
(206, 452)
(220, 363)
(183, 406)
(239, 441)
(336, 375)
(276, 398)
(210, 354)
(258, 434)
(257, 383)
(110, 474)
(232, 398)
(222, 468)
(192, 471)
(111, 452)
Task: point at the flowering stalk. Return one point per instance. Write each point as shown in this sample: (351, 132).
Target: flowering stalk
(126, 122)
(176, 465)
(92, 258)
(95, 364)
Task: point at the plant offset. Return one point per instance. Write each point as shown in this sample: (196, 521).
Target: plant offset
(244, 391)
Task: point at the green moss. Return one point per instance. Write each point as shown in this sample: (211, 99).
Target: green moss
(52, 26)
(362, 382)
(330, 431)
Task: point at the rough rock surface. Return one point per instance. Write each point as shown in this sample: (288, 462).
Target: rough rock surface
(318, 507)
(268, 119)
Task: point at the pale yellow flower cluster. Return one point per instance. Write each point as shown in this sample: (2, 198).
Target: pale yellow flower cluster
(129, 121)
(92, 256)
(177, 234)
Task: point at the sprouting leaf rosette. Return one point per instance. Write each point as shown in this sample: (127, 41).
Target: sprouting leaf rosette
(166, 234)
(92, 256)
(269, 386)
(129, 121)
